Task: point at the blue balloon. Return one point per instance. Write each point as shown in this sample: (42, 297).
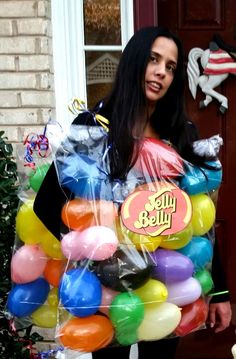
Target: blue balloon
(202, 180)
(80, 292)
(82, 176)
(24, 299)
(199, 250)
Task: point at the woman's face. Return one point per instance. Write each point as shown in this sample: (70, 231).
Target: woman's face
(160, 70)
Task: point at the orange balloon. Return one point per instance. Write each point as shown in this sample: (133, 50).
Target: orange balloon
(54, 270)
(87, 334)
(79, 214)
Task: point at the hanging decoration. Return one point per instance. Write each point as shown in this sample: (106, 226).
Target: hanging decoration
(218, 62)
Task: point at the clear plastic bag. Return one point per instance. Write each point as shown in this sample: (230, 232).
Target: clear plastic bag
(134, 258)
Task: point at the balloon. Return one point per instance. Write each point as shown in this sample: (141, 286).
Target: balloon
(82, 176)
(158, 160)
(199, 250)
(36, 177)
(184, 292)
(178, 239)
(153, 291)
(193, 316)
(54, 270)
(53, 299)
(205, 280)
(28, 263)
(71, 246)
(86, 334)
(97, 242)
(45, 316)
(127, 269)
(140, 241)
(171, 266)
(24, 299)
(80, 292)
(107, 297)
(79, 214)
(203, 214)
(126, 313)
(28, 226)
(51, 246)
(199, 180)
(159, 321)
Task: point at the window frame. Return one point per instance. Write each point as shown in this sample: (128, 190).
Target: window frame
(69, 51)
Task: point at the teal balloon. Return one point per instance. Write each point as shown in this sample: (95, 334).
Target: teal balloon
(36, 177)
(202, 180)
(205, 280)
(199, 250)
(126, 313)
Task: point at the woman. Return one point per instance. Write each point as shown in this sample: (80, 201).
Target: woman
(146, 101)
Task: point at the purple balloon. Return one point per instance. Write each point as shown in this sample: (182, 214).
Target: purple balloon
(171, 266)
(184, 292)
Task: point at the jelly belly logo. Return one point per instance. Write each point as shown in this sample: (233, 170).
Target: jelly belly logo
(164, 212)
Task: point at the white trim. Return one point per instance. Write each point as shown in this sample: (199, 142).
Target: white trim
(69, 51)
(69, 77)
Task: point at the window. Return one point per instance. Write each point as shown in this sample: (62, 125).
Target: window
(88, 37)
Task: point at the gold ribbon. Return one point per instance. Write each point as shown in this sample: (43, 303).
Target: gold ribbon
(77, 105)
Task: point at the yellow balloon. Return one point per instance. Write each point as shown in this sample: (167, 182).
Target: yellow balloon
(141, 242)
(45, 316)
(29, 228)
(159, 321)
(51, 246)
(53, 299)
(153, 291)
(179, 239)
(204, 212)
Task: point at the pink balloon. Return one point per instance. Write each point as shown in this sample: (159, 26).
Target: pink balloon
(107, 297)
(98, 242)
(184, 292)
(71, 246)
(28, 263)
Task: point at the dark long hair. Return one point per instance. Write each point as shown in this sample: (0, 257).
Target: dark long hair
(127, 101)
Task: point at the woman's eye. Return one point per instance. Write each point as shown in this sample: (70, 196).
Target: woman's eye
(153, 59)
(171, 68)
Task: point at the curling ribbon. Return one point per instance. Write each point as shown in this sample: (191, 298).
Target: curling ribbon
(38, 143)
(76, 106)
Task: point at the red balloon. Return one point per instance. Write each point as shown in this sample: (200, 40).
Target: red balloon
(159, 160)
(79, 214)
(193, 316)
(87, 334)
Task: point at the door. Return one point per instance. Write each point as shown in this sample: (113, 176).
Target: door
(196, 22)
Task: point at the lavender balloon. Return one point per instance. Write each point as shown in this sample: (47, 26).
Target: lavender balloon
(184, 292)
(171, 266)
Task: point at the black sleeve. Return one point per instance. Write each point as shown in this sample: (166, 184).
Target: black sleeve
(50, 197)
(219, 278)
(49, 201)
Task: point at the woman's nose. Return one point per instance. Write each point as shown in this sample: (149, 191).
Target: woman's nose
(160, 69)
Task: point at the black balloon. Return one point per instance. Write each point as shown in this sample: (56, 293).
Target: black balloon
(126, 270)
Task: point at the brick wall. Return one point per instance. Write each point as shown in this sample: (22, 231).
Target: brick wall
(26, 71)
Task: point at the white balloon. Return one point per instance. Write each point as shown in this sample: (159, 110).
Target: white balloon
(159, 321)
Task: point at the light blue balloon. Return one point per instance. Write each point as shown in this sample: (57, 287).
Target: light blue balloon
(199, 250)
(84, 178)
(25, 298)
(202, 180)
(80, 292)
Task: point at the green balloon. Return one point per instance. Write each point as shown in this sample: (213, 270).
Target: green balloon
(36, 177)
(126, 337)
(126, 311)
(205, 280)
